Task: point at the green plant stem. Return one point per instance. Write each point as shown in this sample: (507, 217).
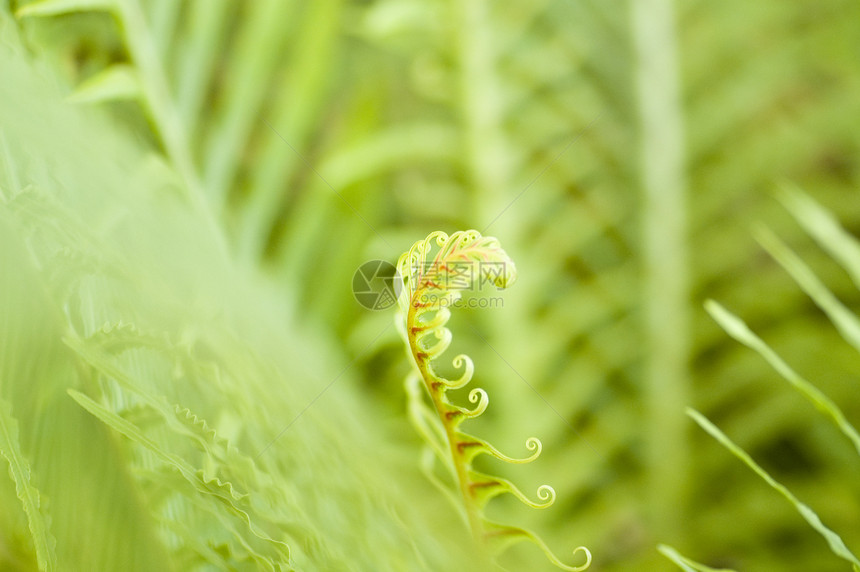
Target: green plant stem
(473, 513)
(485, 158)
(667, 331)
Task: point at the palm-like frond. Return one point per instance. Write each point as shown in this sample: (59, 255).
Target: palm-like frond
(154, 395)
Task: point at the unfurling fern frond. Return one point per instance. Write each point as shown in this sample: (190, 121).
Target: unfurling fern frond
(433, 273)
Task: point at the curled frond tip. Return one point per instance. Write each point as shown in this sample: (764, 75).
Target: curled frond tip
(434, 272)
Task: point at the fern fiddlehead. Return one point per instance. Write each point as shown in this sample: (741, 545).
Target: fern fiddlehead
(434, 272)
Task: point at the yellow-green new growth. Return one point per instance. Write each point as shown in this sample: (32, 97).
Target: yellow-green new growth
(431, 285)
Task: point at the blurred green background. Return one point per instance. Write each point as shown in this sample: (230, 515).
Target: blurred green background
(188, 186)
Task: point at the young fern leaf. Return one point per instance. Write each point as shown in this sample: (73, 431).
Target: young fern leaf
(433, 273)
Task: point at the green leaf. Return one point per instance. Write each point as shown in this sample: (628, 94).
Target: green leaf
(833, 540)
(58, 7)
(500, 536)
(737, 329)
(114, 83)
(203, 483)
(19, 469)
(824, 228)
(844, 320)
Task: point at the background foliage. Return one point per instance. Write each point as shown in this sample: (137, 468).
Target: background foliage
(186, 189)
